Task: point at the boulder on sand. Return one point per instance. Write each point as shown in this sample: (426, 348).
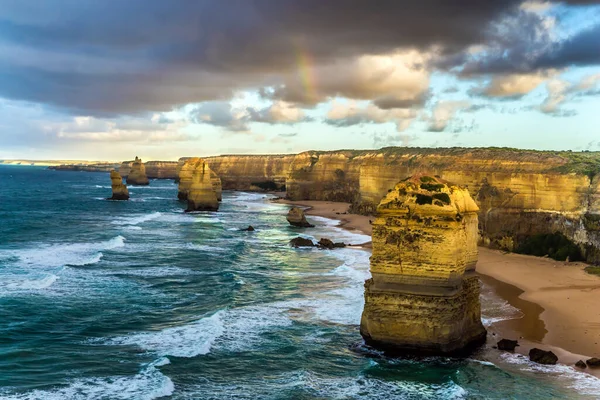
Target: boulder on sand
(593, 362)
(297, 218)
(119, 190)
(507, 345)
(325, 243)
(542, 357)
(580, 364)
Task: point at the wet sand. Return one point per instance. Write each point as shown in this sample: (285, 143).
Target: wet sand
(559, 301)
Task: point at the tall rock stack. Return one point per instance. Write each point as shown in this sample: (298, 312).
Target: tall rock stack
(423, 297)
(137, 174)
(201, 195)
(186, 171)
(119, 190)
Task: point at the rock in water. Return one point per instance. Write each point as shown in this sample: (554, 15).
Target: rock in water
(593, 362)
(250, 228)
(301, 242)
(201, 196)
(542, 357)
(580, 364)
(137, 174)
(423, 297)
(297, 218)
(507, 345)
(185, 173)
(119, 190)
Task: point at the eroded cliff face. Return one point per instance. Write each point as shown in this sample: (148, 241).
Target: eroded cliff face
(323, 176)
(268, 172)
(161, 169)
(423, 296)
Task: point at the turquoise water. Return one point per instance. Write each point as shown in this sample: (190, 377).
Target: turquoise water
(137, 300)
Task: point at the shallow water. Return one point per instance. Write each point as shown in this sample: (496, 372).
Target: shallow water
(137, 300)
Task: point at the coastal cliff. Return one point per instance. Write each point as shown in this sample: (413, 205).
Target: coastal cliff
(249, 172)
(423, 296)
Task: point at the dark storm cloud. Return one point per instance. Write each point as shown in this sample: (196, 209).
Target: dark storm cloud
(129, 56)
(107, 57)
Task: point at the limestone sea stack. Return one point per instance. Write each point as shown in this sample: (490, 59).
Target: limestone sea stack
(186, 171)
(423, 297)
(119, 190)
(201, 195)
(297, 218)
(137, 174)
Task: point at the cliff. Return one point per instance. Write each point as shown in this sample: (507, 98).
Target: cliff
(137, 173)
(161, 169)
(201, 195)
(423, 296)
(119, 190)
(95, 167)
(248, 172)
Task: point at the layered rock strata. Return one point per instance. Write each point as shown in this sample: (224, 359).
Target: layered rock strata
(137, 173)
(423, 296)
(185, 173)
(119, 190)
(161, 169)
(201, 195)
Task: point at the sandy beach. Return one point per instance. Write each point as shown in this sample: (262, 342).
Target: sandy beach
(559, 301)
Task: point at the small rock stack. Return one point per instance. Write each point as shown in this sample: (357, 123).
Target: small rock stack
(119, 190)
(185, 175)
(297, 218)
(137, 174)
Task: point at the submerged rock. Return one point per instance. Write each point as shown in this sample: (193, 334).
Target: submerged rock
(250, 228)
(580, 364)
(507, 345)
(423, 297)
(297, 218)
(542, 356)
(137, 173)
(301, 242)
(593, 362)
(201, 196)
(119, 190)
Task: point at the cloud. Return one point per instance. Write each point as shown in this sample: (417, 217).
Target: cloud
(92, 59)
(221, 114)
(443, 113)
(278, 112)
(560, 92)
(385, 140)
(348, 114)
(512, 86)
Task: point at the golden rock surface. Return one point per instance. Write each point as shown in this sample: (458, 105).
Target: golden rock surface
(423, 296)
(137, 173)
(119, 189)
(201, 195)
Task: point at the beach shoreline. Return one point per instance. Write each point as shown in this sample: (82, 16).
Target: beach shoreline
(556, 298)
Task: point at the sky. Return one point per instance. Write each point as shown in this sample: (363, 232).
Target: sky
(109, 80)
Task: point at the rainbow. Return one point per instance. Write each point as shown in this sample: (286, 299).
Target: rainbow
(306, 73)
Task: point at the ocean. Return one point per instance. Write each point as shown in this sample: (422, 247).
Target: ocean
(138, 300)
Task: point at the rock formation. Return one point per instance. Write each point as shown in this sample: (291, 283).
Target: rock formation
(593, 362)
(423, 296)
(137, 174)
(201, 195)
(580, 364)
(297, 218)
(186, 171)
(542, 357)
(119, 190)
(161, 169)
(507, 345)
(301, 242)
